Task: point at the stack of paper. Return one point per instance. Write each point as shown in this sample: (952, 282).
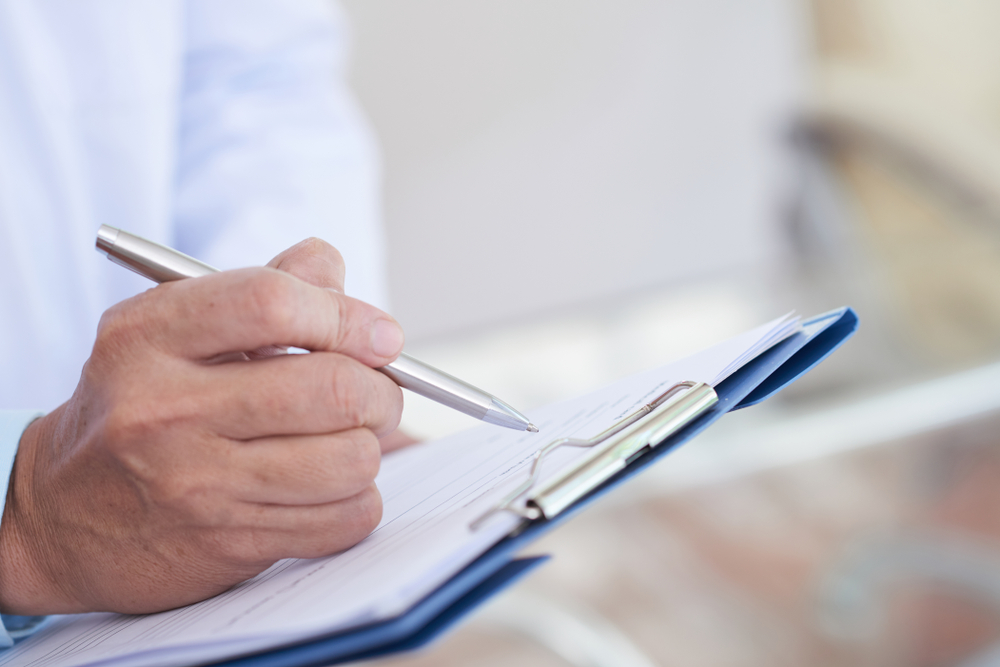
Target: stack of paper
(770, 335)
(431, 493)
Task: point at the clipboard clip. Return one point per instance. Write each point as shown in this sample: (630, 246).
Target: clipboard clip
(612, 450)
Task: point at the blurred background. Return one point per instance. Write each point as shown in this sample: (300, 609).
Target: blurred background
(578, 190)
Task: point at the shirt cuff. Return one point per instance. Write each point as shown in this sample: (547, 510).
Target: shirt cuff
(12, 425)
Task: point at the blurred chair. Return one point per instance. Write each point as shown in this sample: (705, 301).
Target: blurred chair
(899, 210)
(900, 214)
(907, 213)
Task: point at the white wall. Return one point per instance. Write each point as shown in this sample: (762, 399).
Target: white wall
(547, 152)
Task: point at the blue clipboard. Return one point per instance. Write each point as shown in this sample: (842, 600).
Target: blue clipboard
(500, 567)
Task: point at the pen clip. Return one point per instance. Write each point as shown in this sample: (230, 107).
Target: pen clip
(612, 450)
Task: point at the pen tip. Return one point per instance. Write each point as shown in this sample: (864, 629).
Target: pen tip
(531, 428)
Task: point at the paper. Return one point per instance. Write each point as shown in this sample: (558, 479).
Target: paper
(431, 494)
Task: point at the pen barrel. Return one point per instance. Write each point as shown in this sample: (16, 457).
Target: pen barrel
(438, 386)
(162, 264)
(147, 258)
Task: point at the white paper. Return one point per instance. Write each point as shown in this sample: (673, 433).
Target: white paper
(431, 493)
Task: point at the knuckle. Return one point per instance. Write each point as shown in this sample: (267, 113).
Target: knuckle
(367, 512)
(347, 392)
(184, 496)
(141, 416)
(336, 328)
(127, 427)
(121, 429)
(363, 397)
(352, 521)
(364, 458)
(271, 301)
(118, 329)
(340, 466)
(111, 321)
(182, 492)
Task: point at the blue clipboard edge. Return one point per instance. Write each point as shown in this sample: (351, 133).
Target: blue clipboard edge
(498, 567)
(505, 577)
(420, 625)
(843, 324)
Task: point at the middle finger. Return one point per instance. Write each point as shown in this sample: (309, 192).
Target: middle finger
(321, 392)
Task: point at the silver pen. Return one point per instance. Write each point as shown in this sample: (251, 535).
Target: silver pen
(162, 264)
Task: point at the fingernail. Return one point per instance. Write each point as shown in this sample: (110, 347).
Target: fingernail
(387, 338)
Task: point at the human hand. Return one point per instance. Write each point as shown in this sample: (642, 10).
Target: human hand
(171, 475)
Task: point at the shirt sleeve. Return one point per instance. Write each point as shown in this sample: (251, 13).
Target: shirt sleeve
(12, 425)
(272, 146)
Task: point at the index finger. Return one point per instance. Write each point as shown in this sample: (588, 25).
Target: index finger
(245, 309)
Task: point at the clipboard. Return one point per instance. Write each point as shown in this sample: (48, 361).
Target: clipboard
(677, 416)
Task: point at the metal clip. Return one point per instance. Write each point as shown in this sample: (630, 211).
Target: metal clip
(613, 450)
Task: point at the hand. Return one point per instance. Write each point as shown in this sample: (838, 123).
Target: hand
(170, 475)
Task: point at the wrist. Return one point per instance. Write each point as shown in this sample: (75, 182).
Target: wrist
(25, 587)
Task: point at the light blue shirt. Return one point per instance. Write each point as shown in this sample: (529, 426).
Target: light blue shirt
(221, 127)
